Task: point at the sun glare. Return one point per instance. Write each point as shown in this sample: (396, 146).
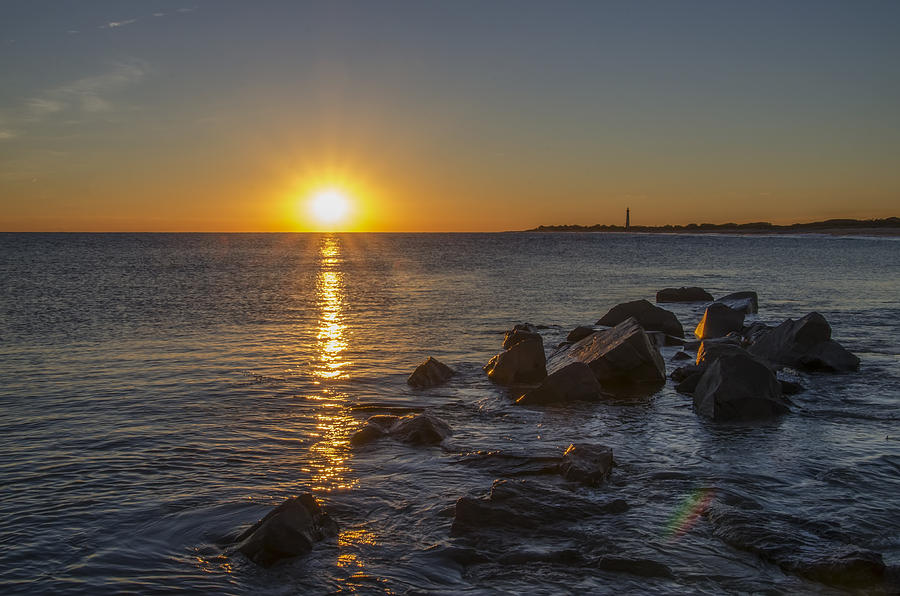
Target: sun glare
(329, 206)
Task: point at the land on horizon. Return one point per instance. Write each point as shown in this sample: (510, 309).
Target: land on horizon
(889, 226)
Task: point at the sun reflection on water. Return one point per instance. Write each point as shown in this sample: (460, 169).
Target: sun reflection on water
(330, 452)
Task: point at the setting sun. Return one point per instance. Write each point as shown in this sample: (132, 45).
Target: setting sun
(329, 206)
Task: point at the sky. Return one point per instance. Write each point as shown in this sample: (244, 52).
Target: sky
(216, 115)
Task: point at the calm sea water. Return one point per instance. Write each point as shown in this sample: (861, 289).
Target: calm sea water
(161, 392)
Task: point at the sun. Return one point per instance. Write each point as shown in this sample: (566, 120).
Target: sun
(329, 206)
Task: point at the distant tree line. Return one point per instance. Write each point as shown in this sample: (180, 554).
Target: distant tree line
(757, 226)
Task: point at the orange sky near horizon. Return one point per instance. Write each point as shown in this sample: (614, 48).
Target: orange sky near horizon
(227, 118)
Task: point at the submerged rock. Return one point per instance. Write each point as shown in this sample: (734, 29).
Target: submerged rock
(791, 388)
(746, 302)
(683, 294)
(430, 373)
(680, 355)
(586, 463)
(522, 361)
(623, 354)
(573, 382)
(738, 388)
(640, 567)
(415, 429)
(648, 316)
(289, 530)
(804, 553)
(718, 321)
(806, 344)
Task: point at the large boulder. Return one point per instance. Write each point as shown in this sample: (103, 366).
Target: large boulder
(746, 302)
(649, 316)
(586, 463)
(623, 354)
(289, 530)
(522, 359)
(579, 333)
(738, 388)
(573, 382)
(430, 373)
(712, 349)
(415, 429)
(690, 294)
(718, 321)
(806, 344)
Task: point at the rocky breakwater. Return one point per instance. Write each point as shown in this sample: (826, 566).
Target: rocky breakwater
(649, 317)
(805, 344)
(522, 360)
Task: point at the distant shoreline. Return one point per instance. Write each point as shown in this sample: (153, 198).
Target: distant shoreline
(833, 227)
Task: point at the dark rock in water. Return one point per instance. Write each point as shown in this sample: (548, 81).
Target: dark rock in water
(415, 429)
(421, 429)
(806, 344)
(641, 567)
(524, 504)
(712, 350)
(718, 321)
(622, 354)
(574, 382)
(738, 388)
(579, 333)
(791, 388)
(511, 465)
(375, 428)
(753, 332)
(680, 355)
(689, 294)
(430, 373)
(586, 463)
(815, 557)
(689, 384)
(519, 334)
(746, 302)
(683, 372)
(289, 530)
(649, 316)
(523, 361)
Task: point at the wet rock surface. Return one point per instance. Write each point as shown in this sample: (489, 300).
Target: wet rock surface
(683, 294)
(414, 429)
(573, 382)
(579, 333)
(648, 316)
(746, 302)
(430, 373)
(289, 530)
(623, 354)
(586, 463)
(805, 344)
(718, 321)
(522, 360)
(738, 388)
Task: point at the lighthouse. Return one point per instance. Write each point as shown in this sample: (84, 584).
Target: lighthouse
(627, 218)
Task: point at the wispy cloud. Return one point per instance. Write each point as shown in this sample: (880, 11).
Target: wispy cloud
(6, 134)
(114, 24)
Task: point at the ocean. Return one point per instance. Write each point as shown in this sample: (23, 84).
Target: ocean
(162, 392)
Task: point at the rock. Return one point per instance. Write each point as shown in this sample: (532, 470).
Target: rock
(746, 302)
(712, 350)
(522, 361)
(689, 385)
(683, 372)
(375, 428)
(681, 355)
(805, 344)
(738, 388)
(430, 373)
(718, 321)
(579, 333)
(640, 567)
(586, 463)
(573, 382)
(289, 530)
(791, 388)
(769, 536)
(753, 332)
(649, 316)
(622, 354)
(690, 294)
(527, 504)
(415, 429)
